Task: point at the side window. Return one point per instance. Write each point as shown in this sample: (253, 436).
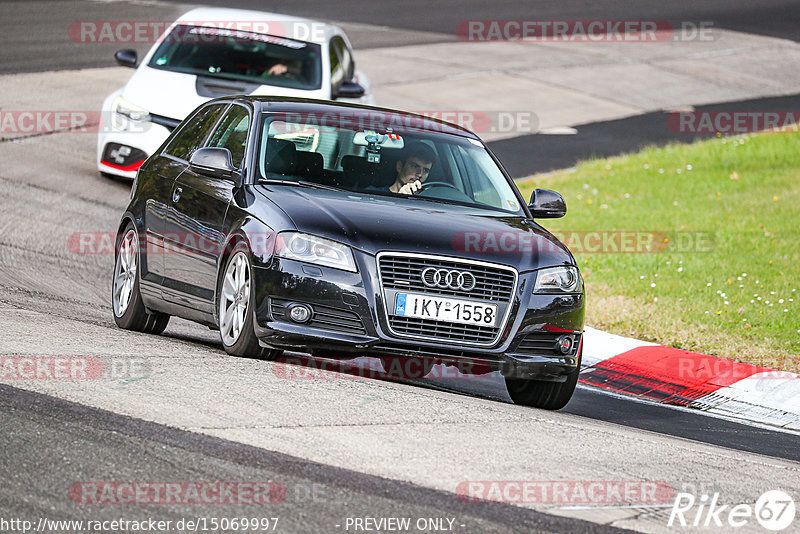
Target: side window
(194, 132)
(347, 59)
(483, 190)
(337, 69)
(232, 133)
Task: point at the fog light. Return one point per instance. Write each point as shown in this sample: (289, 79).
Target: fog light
(299, 313)
(564, 344)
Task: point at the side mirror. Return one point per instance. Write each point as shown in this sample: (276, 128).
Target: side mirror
(348, 90)
(213, 161)
(546, 204)
(127, 58)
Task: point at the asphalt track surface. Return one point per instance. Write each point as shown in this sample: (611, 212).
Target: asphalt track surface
(50, 443)
(528, 154)
(94, 445)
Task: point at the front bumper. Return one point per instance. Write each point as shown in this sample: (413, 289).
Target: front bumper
(123, 145)
(349, 321)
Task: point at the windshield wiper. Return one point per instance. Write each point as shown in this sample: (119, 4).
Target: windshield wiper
(301, 183)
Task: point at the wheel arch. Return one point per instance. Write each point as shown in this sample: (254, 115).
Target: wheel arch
(126, 219)
(259, 240)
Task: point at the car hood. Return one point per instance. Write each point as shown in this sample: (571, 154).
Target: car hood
(373, 224)
(174, 94)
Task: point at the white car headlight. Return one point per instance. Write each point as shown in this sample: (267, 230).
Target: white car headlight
(313, 249)
(565, 279)
(128, 110)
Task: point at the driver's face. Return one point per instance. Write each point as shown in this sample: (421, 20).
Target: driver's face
(413, 169)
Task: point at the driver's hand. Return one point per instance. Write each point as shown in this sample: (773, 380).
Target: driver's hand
(277, 69)
(410, 188)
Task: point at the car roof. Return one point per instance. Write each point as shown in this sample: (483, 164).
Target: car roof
(391, 116)
(312, 31)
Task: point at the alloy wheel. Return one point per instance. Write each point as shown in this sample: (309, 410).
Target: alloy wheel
(125, 272)
(234, 298)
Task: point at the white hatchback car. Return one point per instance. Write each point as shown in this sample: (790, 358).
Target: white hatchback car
(212, 52)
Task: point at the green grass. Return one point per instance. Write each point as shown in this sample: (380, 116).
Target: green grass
(738, 294)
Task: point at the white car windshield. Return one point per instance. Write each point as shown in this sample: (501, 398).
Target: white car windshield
(240, 55)
(335, 150)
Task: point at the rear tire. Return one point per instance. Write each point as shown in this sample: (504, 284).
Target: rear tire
(543, 394)
(126, 300)
(235, 305)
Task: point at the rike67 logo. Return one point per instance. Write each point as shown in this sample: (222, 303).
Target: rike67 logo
(774, 510)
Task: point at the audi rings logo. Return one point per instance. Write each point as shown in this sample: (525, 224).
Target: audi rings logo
(447, 279)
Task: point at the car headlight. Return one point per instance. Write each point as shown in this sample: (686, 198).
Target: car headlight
(129, 110)
(313, 249)
(565, 279)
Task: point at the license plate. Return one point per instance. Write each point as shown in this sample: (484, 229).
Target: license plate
(445, 309)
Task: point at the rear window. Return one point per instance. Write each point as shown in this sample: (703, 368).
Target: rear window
(240, 55)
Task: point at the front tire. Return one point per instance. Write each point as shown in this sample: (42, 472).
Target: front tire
(543, 394)
(126, 300)
(235, 299)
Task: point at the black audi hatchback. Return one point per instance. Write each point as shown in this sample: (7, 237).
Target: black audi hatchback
(289, 224)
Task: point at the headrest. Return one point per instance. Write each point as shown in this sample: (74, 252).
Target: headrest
(361, 173)
(281, 157)
(310, 164)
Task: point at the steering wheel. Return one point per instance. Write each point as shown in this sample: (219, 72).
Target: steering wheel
(429, 185)
(447, 191)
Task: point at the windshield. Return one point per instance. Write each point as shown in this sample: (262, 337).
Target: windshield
(240, 55)
(337, 151)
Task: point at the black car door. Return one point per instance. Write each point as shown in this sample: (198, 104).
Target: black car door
(199, 205)
(191, 136)
(164, 170)
(166, 166)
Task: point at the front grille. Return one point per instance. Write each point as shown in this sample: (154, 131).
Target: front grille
(325, 318)
(405, 273)
(544, 344)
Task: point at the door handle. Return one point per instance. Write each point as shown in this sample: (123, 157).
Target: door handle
(176, 194)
